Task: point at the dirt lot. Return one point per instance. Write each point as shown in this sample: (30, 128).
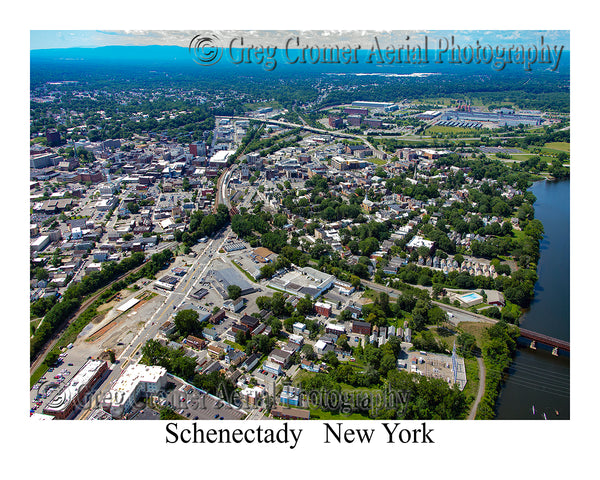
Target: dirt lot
(117, 328)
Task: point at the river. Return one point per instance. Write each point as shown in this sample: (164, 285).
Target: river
(536, 378)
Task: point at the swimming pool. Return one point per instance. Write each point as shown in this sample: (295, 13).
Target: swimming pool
(471, 296)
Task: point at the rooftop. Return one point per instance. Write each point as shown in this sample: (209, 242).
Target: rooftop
(63, 398)
(130, 378)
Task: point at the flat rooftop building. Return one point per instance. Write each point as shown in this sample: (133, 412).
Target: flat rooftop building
(418, 241)
(136, 381)
(305, 281)
(366, 104)
(72, 395)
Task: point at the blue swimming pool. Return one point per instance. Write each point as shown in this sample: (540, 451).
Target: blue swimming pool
(470, 296)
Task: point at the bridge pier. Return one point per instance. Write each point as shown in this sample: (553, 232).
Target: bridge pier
(555, 344)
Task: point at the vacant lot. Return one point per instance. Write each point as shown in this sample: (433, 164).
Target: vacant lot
(560, 146)
(477, 329)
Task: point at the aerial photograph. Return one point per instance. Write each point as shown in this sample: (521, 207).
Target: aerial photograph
(299, 225)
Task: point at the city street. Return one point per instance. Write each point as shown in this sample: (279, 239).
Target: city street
(132, 352)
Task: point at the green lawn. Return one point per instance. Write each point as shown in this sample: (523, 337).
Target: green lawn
(558, 146)
(472, 385)
(376, 161)
(477, 329)
(519, 234)
(234, 345)
(442, 129)
(318, 414)
(37, 374)
(526, 156)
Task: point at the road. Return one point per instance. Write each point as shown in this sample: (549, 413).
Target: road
(54, 339)
(132, 352)
(458, 314)
(311, 129)
(480, 391)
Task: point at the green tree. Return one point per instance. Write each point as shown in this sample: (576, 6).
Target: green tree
(436, 315)
(41, 274)
(56, 262)
(388, 362)
(304, 306)
(167, 413)
(187, 322)
(51, 358)
(308, 352)
(368, 246)
(466, 343)
(241, 338)
(330, 358)
(264, 303)
(342, 342)
(234, 291)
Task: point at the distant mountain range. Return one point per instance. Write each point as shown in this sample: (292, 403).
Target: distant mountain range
(168, 58)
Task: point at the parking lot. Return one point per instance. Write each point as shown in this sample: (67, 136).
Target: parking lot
(196, 405)
(53, 380)
(225, 324)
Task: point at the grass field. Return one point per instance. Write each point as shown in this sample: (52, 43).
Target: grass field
(415, 140)
(442, 129)
(472, 385)
(234, 345)
(558, 146)
(318, 414)
(37, 374)
(521, 157)
(376, 161)
(477, 329)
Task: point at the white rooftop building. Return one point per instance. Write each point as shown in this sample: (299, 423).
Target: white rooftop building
(219, 159)
(418, 241)
(134, 382)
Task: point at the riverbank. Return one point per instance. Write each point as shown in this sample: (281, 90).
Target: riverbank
(536, 377)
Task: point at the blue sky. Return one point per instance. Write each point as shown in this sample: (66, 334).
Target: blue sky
(42, 39)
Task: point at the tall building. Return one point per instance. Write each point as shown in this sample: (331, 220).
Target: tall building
(198, 149)
(354, 120)
(335, 122)
(373, 122)
(323, 309)
(136, 381)
(356, 111)
(53, 137)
